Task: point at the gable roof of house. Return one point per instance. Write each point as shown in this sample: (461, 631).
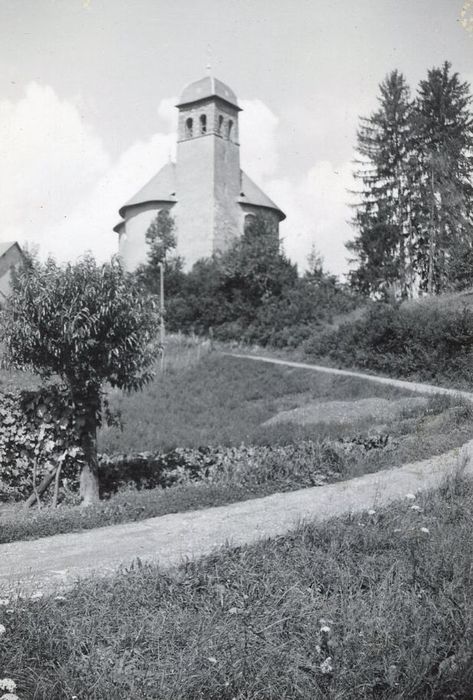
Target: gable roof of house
(5, 247)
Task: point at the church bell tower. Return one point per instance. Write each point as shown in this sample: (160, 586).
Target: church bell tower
(208, 178)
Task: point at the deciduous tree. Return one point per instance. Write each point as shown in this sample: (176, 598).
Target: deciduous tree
(88, 324)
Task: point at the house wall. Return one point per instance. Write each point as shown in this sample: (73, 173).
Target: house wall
(11, 258)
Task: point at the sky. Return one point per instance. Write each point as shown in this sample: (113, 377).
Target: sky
(88, 88)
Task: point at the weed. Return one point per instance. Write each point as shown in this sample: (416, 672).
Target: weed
(375, 605)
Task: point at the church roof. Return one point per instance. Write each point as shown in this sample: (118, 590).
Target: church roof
(207, 87)
(251, 194)
(161, 188)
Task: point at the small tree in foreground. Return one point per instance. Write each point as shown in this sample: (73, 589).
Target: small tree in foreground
(88, 324)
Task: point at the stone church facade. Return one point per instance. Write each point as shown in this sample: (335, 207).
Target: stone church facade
(208, 195)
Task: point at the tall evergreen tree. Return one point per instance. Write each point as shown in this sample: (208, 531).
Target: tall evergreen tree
(383, 246)
(443, 133)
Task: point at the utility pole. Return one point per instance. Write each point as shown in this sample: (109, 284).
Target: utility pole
(161, 308)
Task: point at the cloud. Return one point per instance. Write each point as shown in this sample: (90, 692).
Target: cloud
(316, 203)
(50, 160)
(167, 112)
(90, 224)
(258, 138)
(61, 189)
(318, 212)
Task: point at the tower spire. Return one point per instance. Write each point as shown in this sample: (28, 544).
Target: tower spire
(208, 67)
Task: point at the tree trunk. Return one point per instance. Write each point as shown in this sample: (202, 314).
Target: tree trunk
(89, 481)
(432, 237)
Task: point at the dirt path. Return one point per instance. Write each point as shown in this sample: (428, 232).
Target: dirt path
(57, 561)
(50, 562)
(417, 387)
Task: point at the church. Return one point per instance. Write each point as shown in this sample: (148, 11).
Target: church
(205, 191)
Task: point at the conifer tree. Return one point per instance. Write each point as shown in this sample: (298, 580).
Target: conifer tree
(443, 136)
(383, 246)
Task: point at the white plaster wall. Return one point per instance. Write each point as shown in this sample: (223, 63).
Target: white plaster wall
(133, 248)
(11, 258)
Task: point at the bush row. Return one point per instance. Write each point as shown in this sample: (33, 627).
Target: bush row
(417, 341)
(306, 463)
(246, 465)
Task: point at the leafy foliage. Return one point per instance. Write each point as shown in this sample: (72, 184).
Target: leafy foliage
(416, 341)
(306, 463)
(161, 240)
(252, 292)
(37, 426)
(88, 324)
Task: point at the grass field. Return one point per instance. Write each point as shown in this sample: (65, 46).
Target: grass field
(376, 605)
(224, 400)
(206, 398)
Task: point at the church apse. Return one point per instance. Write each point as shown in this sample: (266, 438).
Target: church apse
(205, 190)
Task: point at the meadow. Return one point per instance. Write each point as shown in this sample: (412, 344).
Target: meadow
(205, 398)
(373, 605)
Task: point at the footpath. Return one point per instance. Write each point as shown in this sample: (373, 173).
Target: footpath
(55, 562)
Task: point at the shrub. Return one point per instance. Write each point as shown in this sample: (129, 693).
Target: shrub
(38, 427)
(418, 341)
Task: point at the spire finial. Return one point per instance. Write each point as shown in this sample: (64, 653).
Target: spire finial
(208, 67)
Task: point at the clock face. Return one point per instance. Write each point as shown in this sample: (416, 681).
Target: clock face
(466, 16)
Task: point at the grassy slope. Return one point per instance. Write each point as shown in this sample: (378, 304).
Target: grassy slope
(213, 399)
(222, 400)
(246, 623)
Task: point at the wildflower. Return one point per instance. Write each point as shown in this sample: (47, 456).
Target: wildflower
(325, 629)
(212, 659)
(425, 530)
(371, 512)
(37, 595)
(9, 696)
(326, 666)
(7, 684)
(60, 598)
(410, 497)
(417, 508)
(3, 629)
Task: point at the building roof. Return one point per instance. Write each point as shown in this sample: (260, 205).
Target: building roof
(205, 88)
(252, 195)
(5, 247)
(161, 188)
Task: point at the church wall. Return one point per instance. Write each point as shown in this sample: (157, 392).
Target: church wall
(213, 110)
(194, 187)
(227, 183)
(133, 248)
(269, 215)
